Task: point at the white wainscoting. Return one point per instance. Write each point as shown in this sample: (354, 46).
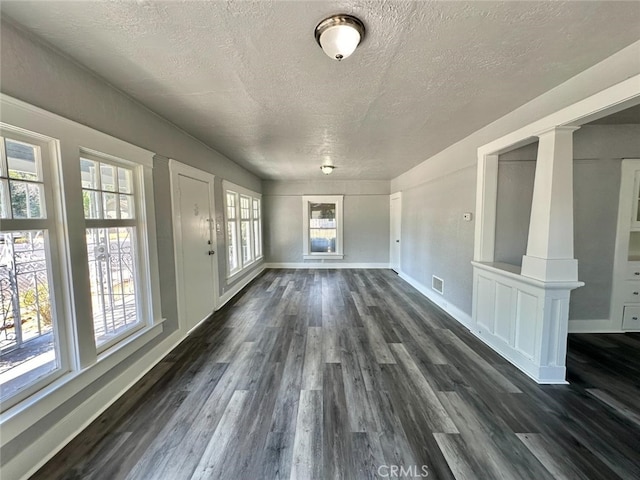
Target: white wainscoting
(523, 319)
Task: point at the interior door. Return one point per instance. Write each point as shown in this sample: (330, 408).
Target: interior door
(198, 273)
(395, 220)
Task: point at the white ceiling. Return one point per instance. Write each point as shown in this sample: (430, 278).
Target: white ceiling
(248, 78)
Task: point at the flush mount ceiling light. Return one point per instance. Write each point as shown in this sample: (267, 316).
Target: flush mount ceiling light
(339, 35)
(327, 169)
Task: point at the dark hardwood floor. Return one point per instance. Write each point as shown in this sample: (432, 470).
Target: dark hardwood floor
(323, 374)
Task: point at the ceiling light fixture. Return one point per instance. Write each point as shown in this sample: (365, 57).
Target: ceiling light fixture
(339, 35)
(327, 169)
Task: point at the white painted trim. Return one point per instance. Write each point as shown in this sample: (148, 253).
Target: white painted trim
(620, 260)
(327, 265)
(339, 202)
(622, 95)
(87, 363)
(392, 241)
(25, 414)
(177, 168)
(32, 118)
(30, 459)
(486, 201)
(462, 317)
(539, 374)
(236, 287)
(603, 325)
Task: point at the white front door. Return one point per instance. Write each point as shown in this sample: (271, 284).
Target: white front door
(194, 244)
(395, 220)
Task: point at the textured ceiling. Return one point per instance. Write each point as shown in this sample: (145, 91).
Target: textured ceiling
(248, 79)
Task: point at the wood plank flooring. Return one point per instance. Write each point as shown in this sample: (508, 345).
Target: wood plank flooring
(331, 374)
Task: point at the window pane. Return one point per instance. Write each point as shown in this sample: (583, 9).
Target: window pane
(27, 340)
(112, 276)
(231, 206)
(108, 178)
(26, 199)
(245, 235)
(245, 210)
(322, 215)
(322, 240)
(23, 160)
(110, 205)
(257, 241)
(4, 199)
(89, 173)
(125, 183)
(231, 245)
(127, 207)
(91, 203)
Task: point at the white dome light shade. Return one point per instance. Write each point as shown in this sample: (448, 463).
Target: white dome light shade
(327, 169)
(339, 35)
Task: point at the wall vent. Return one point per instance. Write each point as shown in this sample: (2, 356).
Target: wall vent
(437, 284)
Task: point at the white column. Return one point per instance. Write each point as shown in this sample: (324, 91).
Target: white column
(549, 255)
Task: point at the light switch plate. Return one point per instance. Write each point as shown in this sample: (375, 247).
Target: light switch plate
(466, 216)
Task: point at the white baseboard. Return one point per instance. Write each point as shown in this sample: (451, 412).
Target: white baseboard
(455, 312)
(604, 325)
(229, 294)
(548, 375)
(318, 265)
(32, 458)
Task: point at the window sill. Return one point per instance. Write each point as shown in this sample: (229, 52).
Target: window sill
(23, 415)
(246, 268)
(330, 256)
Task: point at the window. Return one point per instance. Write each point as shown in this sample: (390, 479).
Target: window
(108, 198)
(29, 336)
(232, 232)
(78, 259)
(257, 228)
(243, 219)
(245, 229)
(322, 224)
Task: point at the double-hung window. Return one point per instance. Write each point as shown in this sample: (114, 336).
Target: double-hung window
(109, 197)
(78, 259)
(243, 218)
(322, 227)
(29, 323)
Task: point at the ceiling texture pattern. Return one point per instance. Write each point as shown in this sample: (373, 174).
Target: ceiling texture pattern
(249, 80)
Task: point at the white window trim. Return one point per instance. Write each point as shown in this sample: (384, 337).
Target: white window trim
(55, 253)
(254, 259)
(306, 251)
(85, 363)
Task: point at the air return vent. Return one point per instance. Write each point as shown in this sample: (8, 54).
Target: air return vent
(437, 284)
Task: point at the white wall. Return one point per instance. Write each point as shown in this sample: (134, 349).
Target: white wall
(366, 220)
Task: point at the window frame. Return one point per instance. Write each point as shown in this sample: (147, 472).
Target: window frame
(239, 192)
(135, 223)
(83, 361)
(338, 200)
(55, 253)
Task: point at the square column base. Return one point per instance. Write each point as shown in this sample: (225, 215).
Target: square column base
(550, 269)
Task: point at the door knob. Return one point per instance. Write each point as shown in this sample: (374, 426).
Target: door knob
(211, 252)
(397, 241)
